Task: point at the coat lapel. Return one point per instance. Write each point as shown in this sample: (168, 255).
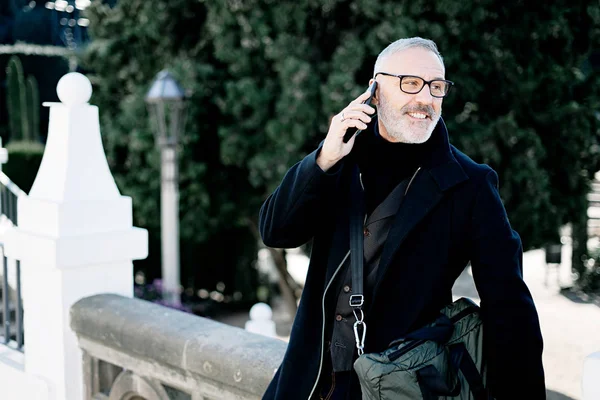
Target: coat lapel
(390, 205)
(421, 197)
(425, 192)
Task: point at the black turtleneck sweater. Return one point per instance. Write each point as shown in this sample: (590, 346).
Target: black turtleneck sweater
(385, 164)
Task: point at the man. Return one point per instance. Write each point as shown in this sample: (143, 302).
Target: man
(430, 211)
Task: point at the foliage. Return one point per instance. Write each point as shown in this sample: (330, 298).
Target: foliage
(32, 99)
(34, 33)
(15, 96)
(153, 292)
(23, 102)
(266, 76)
(588, 273)
(46, 70)
(24, 159)
(131, 43)
(526, 93)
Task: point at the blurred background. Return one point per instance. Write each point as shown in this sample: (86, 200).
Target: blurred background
(262, 80)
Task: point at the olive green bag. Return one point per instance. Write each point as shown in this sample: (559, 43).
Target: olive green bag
(442, 360)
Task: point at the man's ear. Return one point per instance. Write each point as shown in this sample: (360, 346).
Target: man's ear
(375, 97)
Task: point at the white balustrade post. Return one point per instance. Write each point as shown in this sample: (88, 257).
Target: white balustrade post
(591, 377)
(3, 155)
(3, 160)
(75, 238)
(261, 320)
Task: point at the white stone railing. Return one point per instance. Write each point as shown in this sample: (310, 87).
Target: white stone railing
(11, 306)
(133, 347)
(9, 193)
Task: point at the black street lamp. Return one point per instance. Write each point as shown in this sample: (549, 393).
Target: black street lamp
(166, 106)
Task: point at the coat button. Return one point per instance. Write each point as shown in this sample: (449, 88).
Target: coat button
(346, 288)
(367, 232)
(338, 317)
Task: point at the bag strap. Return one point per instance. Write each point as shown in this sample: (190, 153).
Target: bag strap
(461, 358)
(357, 257)
(433, 384)
(439, 331)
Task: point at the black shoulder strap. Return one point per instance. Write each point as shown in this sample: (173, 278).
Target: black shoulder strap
(357, 215)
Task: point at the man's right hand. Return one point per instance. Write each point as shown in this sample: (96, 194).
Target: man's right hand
(355, 115)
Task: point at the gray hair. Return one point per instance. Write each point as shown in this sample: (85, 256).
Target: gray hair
(403, 44)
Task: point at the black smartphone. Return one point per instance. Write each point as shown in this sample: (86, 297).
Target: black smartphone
(354, 131)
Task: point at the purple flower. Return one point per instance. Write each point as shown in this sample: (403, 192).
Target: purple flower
(180, 307)
(157, 284)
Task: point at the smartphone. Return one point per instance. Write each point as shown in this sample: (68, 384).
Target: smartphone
(354, 131)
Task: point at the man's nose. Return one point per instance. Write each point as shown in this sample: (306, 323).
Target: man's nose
(424, 96)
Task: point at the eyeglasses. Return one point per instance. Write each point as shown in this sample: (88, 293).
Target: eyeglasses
(414, 84)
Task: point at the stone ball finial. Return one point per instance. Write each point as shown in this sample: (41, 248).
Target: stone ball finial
(261, 312)
(74, 88)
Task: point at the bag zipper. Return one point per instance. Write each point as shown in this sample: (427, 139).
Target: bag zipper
(396, 354)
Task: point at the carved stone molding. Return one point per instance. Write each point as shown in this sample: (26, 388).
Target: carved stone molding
(129, 386)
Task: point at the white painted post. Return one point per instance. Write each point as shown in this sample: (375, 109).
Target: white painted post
(261, 320)
(591, 377)
(3, 160)
(169, 206)
(75, 238)
(3, 155)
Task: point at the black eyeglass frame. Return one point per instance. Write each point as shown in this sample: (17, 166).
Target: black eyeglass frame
(428, 83)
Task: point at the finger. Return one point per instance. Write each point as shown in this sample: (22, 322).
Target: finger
(354, 123)
(357, 115)
(362, 107)
(361, 98)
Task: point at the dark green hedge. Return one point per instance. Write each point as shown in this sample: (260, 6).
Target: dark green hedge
(24, 160)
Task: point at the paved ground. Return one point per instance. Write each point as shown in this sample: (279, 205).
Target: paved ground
(570, 324)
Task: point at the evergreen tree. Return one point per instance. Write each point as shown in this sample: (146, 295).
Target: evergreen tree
(266, 77)
(130, 44)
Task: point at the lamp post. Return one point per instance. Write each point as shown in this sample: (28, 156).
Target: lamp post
(166, 105)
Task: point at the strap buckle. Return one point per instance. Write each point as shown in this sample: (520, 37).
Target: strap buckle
(360, 340)
(356, 300)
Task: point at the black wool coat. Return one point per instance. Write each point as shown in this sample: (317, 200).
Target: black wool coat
(452, 215)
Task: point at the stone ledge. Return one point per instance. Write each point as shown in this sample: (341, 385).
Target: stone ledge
(200, 346)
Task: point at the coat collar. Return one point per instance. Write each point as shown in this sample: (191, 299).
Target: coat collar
(442, 164)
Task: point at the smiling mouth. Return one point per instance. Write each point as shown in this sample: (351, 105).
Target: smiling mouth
(418, 115)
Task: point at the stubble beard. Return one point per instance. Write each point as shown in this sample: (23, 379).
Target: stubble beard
(399, 126)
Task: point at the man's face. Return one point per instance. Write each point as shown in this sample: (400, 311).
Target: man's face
(401, 114)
